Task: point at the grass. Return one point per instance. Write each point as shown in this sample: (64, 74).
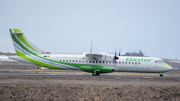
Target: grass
(44, 77)
(130, 85)
(177, 93)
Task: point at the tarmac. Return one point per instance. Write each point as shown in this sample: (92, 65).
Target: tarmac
(18, 69)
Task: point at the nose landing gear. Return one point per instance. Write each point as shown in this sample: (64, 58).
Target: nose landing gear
(161, 74)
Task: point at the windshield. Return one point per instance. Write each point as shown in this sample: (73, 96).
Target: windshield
(159, 61)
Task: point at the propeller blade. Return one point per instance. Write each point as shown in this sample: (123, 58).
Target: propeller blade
(115, 58)
(119, 52)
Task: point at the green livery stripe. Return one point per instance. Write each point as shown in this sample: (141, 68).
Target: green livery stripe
(90, 68)
(18, 53)
(24, 48)
(38, 63)
(84, 67)
(165, 64)
(17, 30)
(14, 38)
(10, 31)
(20, 36)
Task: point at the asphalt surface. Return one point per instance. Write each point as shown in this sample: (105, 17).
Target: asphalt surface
(9, 71)
(11, 74)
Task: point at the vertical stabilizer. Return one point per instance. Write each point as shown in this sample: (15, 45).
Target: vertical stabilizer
(22, 45)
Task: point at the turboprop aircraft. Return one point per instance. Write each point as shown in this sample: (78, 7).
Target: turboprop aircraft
(87, 62)
(6, 59)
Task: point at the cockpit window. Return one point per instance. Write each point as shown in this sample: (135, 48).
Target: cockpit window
(159, 61)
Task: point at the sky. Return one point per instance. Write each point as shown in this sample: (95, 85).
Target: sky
(152, 26)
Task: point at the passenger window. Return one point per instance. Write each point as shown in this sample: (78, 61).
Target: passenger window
(139, 62)
(63, 60)
(122, 62)
(125, 62)
(93, 61)
(72, 60)
(135, 62)
(132, 62)
(119, 62)
(129, 62)
(69, 60)
(96, 61)
(76, 61)
(89, 61)
(66, 60)
(79, 61)
(99, 61)
(60, 60)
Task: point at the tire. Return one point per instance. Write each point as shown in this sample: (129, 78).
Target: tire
(97, 73)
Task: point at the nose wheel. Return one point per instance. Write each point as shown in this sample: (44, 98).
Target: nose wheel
(161, 74)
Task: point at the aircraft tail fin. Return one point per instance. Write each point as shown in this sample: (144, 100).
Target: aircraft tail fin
(22, 45)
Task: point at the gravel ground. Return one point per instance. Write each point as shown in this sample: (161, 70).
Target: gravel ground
(88, 89)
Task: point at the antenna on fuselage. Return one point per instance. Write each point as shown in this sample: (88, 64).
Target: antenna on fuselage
(91, 46)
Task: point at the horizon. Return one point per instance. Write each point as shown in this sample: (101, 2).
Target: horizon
(68, 26)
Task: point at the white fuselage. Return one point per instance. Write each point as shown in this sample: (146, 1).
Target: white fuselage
(123, 64)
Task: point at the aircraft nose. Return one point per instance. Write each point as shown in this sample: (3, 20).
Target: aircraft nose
(170, 68)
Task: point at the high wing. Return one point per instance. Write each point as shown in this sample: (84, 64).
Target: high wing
(94, 56)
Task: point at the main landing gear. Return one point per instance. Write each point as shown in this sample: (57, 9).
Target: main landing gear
(96, 73)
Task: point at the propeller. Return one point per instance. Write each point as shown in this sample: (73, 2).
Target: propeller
(115, 58)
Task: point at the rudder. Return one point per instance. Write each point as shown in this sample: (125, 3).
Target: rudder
(21, 44)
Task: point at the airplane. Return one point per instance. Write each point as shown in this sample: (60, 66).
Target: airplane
(6, 59)
(95, 63)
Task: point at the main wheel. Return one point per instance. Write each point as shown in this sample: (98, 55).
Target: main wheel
(97, 73)
(161, 75)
